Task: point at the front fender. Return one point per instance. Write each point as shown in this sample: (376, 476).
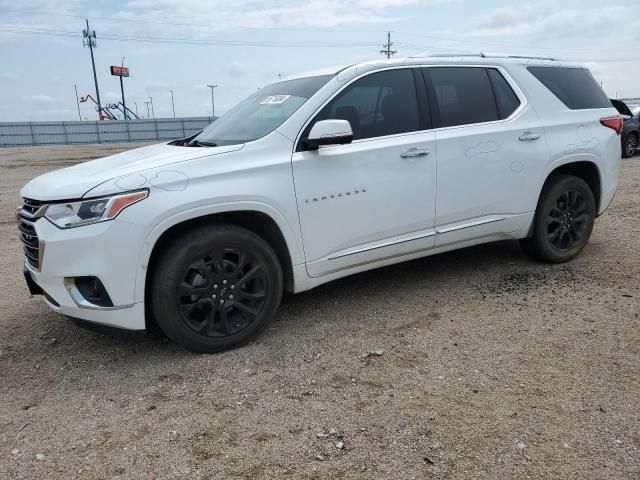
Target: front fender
(291, 238)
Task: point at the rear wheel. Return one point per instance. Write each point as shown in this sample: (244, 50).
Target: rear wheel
(630, 146)
(216, 288)
(563, 220)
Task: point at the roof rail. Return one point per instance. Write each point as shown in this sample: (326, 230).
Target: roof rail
(444, 55)
(483, 55)
(528, 57)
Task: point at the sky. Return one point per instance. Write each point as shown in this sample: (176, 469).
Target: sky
(242, 45)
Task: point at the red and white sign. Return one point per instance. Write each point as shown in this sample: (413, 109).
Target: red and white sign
(119, 71)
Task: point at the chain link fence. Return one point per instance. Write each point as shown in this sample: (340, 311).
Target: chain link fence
(19, 134)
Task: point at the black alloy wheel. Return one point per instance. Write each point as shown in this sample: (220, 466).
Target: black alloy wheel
(563, 220)
(215, 288)
(630, 146)
(222, 293)
(567, 221)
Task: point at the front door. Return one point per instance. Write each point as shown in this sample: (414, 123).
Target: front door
(372, 199)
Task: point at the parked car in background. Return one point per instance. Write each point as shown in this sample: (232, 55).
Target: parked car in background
(321, 176)
(631, 132)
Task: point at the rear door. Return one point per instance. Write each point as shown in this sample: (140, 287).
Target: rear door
(373, 199)
(489, 142)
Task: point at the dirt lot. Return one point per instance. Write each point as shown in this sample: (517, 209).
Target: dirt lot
(493, 366)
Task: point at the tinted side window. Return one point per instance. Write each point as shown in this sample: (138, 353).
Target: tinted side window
(464, 95)
(575, 87)
(506, 98)
(383, 103)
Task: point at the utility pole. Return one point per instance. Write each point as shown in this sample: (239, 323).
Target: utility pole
(89, 40)
(147, 104)
(213, 105)
(75, 87)
(173, 106)
(386, 48)
(153, 113)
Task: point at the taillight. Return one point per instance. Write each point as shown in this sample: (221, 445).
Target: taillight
(615, 123)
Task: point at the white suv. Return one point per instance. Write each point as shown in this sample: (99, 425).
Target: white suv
(321, 176)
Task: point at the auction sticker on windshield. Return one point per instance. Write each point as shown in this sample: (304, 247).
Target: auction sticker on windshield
(274, 99)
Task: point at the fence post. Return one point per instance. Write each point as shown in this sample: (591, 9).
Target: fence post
(98, 131)
(126, 121)
(33, 138)
(66, 134)
(155, 124)
(184, 133)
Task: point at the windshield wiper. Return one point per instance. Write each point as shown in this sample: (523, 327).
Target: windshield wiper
(198, 143)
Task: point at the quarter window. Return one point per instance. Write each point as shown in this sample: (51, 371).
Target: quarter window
(575, 87)
(383, 103)
(464, 95)
(506, 98)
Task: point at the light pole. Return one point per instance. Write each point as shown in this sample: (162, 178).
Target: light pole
(124, 105)
(213, 105)
(153, 113)
(77, 101)
(173, 106)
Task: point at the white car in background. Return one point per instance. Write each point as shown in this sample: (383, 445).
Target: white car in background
(318, 177)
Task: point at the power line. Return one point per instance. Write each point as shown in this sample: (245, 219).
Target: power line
(438, 37)
(238, 43)
(190, 24)
(188, 41)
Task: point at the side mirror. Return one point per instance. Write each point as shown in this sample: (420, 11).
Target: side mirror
(329, 132)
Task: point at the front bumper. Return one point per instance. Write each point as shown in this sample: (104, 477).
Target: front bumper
(109, 251)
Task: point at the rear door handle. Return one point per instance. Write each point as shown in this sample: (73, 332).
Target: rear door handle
(414, 153)
(529, 136)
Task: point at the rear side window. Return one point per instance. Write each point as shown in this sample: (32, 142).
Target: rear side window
(464, 95)
(506, 98)
(575, 87)
(379, 104)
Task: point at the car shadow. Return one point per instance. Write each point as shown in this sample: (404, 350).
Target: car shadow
(490, 261)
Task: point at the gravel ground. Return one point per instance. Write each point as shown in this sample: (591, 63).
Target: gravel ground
(491, 366)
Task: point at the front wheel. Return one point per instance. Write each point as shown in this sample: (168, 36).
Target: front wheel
(216, 288)
(563, 221)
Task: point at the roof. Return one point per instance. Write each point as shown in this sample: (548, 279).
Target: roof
(441, 59)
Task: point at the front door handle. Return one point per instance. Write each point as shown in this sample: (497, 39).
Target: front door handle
(414, 153)
(529, 136)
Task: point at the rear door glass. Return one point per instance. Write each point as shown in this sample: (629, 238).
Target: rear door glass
(506, 98)
(464, 95)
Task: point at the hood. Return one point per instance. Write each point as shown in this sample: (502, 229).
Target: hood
(75, 181)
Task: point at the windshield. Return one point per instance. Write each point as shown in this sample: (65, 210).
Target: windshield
(261, 113)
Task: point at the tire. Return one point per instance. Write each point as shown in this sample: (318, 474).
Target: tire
(216, 288)
(563, 221)
(630, 145)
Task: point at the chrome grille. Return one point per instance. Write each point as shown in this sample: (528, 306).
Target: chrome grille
(26, 216)
(31, 208)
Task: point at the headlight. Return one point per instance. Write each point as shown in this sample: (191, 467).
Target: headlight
(93, 210)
